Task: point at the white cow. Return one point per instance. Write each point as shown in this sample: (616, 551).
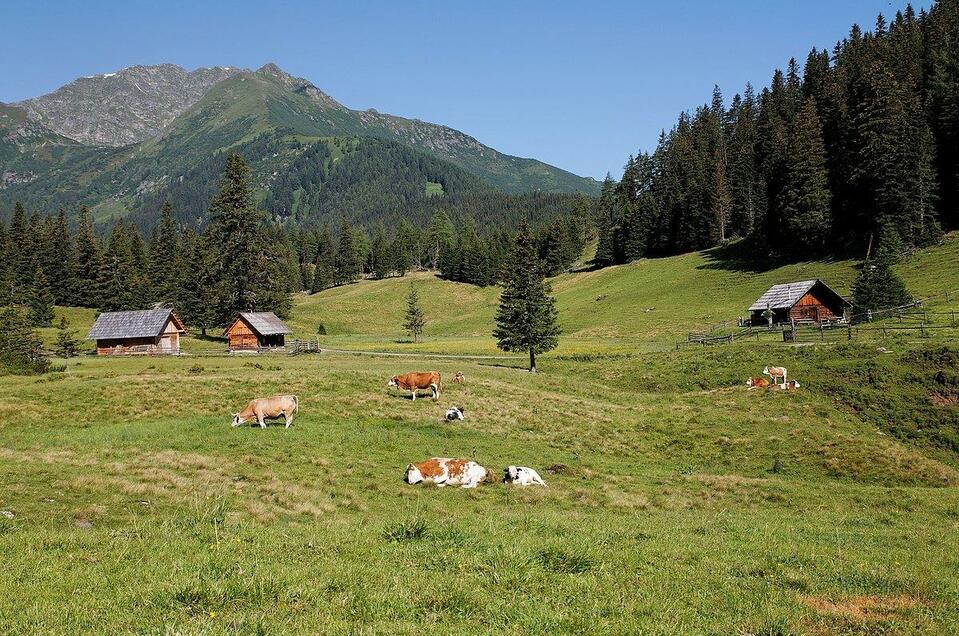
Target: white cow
(775, 373)
(522, 476)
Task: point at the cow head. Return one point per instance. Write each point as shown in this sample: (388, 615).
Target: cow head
(510, 474)
(237, 420)
(490, 476)
(766, 371)
(393, 383)
(749, 382)
(413, 475)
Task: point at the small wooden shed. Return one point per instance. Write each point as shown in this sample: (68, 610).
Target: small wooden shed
(256, 330)
(802, 301)
(145, 332)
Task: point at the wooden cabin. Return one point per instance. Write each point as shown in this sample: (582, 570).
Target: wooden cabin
(146, 332)
(257, 330)
(803, 301)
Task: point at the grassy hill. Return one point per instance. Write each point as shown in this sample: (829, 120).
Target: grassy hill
(678, 501)
(650, 303)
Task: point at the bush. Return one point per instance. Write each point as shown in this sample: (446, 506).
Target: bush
(321, 329)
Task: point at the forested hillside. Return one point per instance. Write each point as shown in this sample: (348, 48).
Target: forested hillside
(857, 138)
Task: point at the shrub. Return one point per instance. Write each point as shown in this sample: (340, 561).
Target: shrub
(21, 350)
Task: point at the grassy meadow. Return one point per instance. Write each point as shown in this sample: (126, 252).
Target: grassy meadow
(678, 501)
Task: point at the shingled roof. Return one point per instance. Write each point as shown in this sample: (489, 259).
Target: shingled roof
(788, 294)
(147, 323)
(265, 323)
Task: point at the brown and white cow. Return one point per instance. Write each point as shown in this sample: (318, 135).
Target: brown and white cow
(792, 385)
(775, 373)
(758, 382)
(443, 471)
(418, 381)
(459, 378)
(260, 409)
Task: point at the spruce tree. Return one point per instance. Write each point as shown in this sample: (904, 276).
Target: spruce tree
(67, 343)
(40, 301)
(347, 264)
(380, 257)
(88, 263)
(605, 225)
(325, 257)
(59, 260)
(878, 286)
(166, 260)
(6, 267)
(805, 196)
(201, 289)
(116, 280)
(415, 319)
(440, 235)
(526, 319)
(235, 229)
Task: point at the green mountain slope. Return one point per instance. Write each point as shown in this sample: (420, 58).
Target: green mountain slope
(268, 114)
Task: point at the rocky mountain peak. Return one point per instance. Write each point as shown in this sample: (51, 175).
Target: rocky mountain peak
(125, 106)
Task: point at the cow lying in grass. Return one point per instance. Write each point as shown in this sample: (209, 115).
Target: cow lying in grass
(418, 382)
(448, 472)
(459, 378)
(260, 409)
(792, 385)
(455, 413)
(522, 476)
(758, 382)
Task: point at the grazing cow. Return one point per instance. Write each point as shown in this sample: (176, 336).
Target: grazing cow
(459, 378)
(417, 381)
(262, 408)
(448, 472)
(522, 476)
(758, 382)
(775, 373)
(455, 413)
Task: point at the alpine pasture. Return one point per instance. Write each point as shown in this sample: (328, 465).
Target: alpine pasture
(678, 502)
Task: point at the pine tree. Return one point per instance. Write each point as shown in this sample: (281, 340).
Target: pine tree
(40, 301)
(605, 225)
(88, 263)
(201, 289)
(415, 320)
(116, 281)
(878, 286)
(166, 260)
(805, 195)
(58, 260)
(526, 319)
(380, 257)
(347, 264)
(440, 234)
(325, 257)
(235, 229)
(67, 343)
(6, 267)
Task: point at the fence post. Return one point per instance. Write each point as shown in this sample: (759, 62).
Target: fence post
(848, 332)
(922, 329)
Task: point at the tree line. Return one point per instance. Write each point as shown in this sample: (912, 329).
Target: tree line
(818, 163)
(242, 260)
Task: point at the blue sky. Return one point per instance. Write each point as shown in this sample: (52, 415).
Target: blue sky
(580, 85)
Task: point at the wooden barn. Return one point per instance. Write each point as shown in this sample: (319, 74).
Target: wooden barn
(256, 330)
(803, 301)
(147, 332)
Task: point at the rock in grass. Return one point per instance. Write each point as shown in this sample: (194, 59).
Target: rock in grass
(7, 514)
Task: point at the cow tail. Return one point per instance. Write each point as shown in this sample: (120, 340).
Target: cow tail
(296, 405)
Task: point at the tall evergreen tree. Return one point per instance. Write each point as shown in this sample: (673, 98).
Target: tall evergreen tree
(116, 288)
(68, 345)
(59, 265)
(415, 319)
(88, 263)
(347, 263)
(235, 228)
(21, 349)
(40, 301)
(325, 261)
(201, 289)
(805, 196)
(166, 260)
(440, 234)
(526, 319)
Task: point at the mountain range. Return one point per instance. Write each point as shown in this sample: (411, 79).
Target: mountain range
(123, 142)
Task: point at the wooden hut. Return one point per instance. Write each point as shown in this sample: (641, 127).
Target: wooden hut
(147, 332)
(803, 301)
(256, 330)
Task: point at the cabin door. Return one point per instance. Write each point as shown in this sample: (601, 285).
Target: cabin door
(166, 343)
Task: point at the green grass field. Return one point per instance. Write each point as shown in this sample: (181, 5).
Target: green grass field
(685, 504)
(679, 503)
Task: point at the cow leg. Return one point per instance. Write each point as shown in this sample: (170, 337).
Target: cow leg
(261, 421)
(289, 419)
(436, 391)
(414, 395)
